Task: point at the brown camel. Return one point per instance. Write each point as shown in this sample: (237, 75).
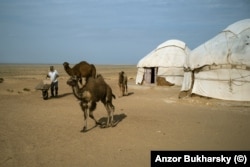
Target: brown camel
(82, 69)
(94, 90)
(122, 82)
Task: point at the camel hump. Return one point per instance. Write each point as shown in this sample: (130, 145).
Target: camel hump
(93, 70)
(84, 62)
(92, 65)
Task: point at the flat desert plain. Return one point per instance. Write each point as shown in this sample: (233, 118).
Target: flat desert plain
(46, 133)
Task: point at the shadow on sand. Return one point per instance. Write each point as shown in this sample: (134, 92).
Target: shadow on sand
(128, 94)
(117, 119)
(103, 121)
(64, 94)
(60, 96)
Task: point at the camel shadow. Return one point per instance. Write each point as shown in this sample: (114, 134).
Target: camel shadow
(84, 131)
(103, 122)
(61, 95)
(130, 93)
(117, 119)
(64, 94)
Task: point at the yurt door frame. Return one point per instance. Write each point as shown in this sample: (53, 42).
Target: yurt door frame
(150, 75)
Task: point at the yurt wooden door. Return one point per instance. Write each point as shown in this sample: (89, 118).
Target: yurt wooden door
(150, 75)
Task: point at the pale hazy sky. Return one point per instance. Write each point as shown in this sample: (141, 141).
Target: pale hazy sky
(107, 31)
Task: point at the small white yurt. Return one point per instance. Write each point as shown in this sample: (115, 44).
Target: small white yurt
(166, 61)
(220, 68)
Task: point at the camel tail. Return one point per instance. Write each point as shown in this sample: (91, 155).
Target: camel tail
(113, 96)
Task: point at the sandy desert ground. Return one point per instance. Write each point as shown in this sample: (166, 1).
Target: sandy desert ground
(46, 133)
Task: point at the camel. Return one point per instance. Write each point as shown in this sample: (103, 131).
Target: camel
(94, 90)
(122, 82)
(82, 69)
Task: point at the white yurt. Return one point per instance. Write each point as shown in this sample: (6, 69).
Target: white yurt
(220, 68)
(166, 61)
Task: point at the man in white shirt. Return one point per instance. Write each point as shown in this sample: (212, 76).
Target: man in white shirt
(53, 75)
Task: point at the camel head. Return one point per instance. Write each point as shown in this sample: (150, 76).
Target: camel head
(66, 64)
(121, 73)
(72, 81)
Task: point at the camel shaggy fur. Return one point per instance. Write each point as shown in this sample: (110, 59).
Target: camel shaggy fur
(122, 82)
(82, 69)
(95, 89)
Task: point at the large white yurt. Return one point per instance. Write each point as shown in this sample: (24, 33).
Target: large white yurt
(166, 61)
(220, 68)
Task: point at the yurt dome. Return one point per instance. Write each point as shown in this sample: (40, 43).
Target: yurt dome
(165, 61)
(220, 68)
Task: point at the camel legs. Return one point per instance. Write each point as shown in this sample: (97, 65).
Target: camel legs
(110, 110)
(126, 88)
(122, 89)
(84, 107)
(91, 110)
(111, 114)
(109, 107)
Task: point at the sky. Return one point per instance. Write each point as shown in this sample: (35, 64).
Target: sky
(107, 31)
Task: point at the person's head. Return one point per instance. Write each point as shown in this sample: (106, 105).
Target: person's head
(51, 68)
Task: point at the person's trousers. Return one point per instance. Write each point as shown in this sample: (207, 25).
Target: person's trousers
(54, 88)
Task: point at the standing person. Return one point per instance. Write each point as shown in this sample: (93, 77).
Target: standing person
(53, 75)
